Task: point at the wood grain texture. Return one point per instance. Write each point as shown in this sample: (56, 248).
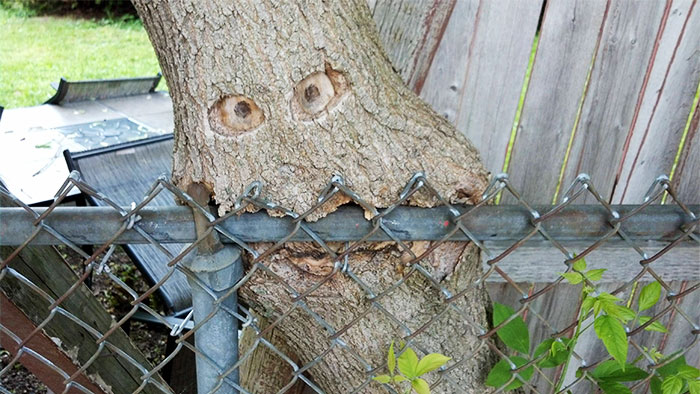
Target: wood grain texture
(665, 106)
(568, 38)
(543, 264)
(478, 71)
(44, 267)
(410, 32)
(619, 79)
(16, 322)
(686, 180)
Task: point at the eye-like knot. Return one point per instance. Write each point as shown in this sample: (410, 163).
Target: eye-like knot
(318, 93)
(314, 93)
(232, 115)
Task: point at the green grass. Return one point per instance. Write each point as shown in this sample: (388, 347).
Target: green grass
(35, 51)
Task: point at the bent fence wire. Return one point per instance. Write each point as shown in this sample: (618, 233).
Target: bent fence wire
(634, 227)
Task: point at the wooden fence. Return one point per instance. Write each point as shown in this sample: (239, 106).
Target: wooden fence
(548, 89)
(610, 92)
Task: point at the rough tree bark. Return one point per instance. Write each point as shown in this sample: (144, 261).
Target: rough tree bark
(292, 93)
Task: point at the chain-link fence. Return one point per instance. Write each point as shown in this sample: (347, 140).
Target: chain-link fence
(272, 282)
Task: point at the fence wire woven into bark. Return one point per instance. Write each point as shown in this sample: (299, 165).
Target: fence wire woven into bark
(648, 350)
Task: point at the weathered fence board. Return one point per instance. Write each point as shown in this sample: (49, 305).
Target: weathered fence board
(16, 322)
(686, 179)
(446, 77)
(666, 104)
(411, 32)
(568, 37)
(43, 266)
(478, 71)
(619, 80)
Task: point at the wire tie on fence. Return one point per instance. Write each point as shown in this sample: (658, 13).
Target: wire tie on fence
(416, 182)
(330, 187)
(133, 218)
(446, 292)
(660, 180)
(252, 191)
(498, 183)
(344, 268)
(179, 327)
(103, 263)
(581, 179)
(250, 320)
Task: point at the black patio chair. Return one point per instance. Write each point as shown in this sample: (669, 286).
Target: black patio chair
(124, 173)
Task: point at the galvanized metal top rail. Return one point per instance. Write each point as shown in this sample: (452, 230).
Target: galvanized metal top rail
(174, 224)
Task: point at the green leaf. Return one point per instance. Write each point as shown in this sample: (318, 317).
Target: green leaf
(597, 306)
(621, 312)
(431, 362)
(655, 385)
(688, 373)
(421, 386)
(612, 371)
(408, 361)
(587, 304)
(391, 359)
(671, 385)
(573, 277)
(501, 373)
(614, 337)
(399, 379)
(671, 368)
(557, 352)
(596, 274)
(694, 386)
(382, 378)
(655, 326)
(580, 264)
(514, 334)
(649, 296)
(608, 297)
(610, 387)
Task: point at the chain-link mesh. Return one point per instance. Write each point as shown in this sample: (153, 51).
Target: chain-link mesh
(581, 376)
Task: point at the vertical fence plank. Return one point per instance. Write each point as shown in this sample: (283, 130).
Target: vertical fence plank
(446, 77)
(619, 78)
(686, 179)
(666, 104)
(411, 32)
(568, 37)
(478, 71)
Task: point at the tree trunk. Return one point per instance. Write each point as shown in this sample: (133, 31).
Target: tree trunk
(292, 93)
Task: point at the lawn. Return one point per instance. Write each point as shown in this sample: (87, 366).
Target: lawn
(35, 51)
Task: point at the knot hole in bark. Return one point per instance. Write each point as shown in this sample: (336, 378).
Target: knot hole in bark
(242, 109)
(311, 93)
(318, 93)
(232, 115)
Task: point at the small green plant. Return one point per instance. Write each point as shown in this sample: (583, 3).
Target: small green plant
(609, 320)
(410, 369)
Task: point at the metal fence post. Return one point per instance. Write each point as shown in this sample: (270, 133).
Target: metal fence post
(217, 269)
(217, 338)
